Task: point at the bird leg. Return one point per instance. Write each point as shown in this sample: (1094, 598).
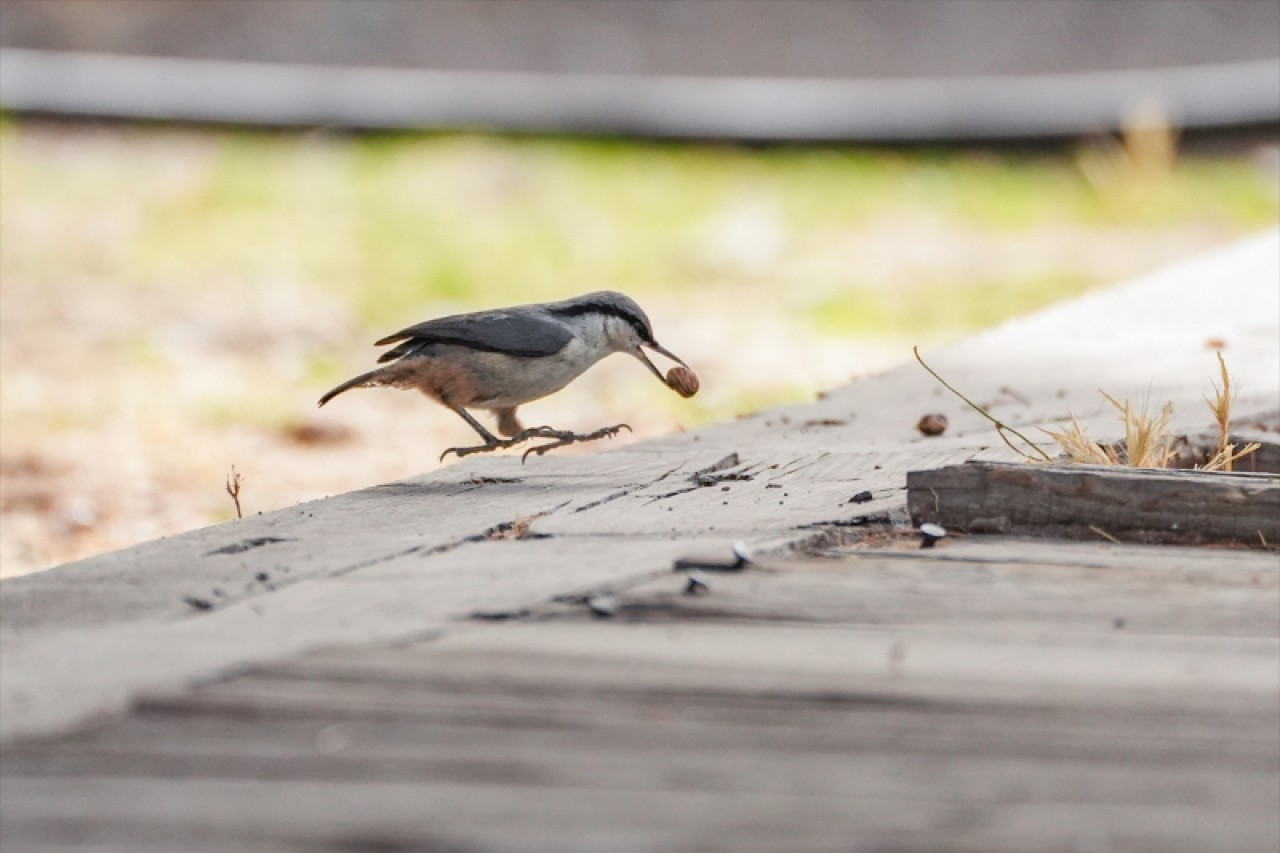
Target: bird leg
(491, 441)
(563, 439)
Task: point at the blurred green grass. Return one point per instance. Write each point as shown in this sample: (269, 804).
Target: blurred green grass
(391, 222)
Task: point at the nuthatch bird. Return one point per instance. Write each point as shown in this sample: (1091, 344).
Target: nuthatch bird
(500, 359)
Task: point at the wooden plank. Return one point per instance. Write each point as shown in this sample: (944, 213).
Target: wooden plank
(1077, 501)
(462, 723)
(888, 697)
(60, 675)
(631, 766)
(249, 559)
(602, 735)
(437, 816)
(989, 694)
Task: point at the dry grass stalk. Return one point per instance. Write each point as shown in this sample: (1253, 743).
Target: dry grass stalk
(1105, 535)
(1220, 406)
(233, 489)
(1148, 443)
(1001, 427)
(1148, 440)
(1226, 455)
(1075, 442)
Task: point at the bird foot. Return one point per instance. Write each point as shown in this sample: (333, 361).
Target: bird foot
(488, 447)
(562, 437)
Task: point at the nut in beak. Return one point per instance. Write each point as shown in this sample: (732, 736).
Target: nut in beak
(683, 381)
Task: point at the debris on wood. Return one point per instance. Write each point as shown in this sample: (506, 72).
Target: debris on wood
(932, 424)
(719, 472)
(518, 529)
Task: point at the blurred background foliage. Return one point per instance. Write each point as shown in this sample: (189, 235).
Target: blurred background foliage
(392, 222)
(175, 299)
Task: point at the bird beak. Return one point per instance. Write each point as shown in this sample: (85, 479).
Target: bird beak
(662, 351)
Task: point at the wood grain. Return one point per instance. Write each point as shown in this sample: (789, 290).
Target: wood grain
(1090, 502)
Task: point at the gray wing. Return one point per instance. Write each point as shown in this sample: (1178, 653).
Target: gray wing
(527, 333)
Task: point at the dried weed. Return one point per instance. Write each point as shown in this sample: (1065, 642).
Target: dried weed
(233, 489)
(1226, 455)
(1075, 442)
(1148, 440)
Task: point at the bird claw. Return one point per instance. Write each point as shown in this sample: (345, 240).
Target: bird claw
(563, 439)
(467, 451)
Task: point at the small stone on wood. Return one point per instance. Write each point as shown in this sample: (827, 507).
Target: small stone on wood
(931, 425)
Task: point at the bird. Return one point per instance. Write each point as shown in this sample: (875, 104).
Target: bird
(499, 359)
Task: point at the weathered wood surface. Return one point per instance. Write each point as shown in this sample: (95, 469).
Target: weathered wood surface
(998, 696)
(989, 694)
(1089, 501)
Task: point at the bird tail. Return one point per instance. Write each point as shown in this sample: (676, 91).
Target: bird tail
(364, 380)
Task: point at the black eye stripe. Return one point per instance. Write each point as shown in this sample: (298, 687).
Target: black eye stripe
(641, 327)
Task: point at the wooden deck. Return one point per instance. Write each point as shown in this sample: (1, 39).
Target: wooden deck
(408, 668)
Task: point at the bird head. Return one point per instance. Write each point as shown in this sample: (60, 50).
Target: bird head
(625, 325)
